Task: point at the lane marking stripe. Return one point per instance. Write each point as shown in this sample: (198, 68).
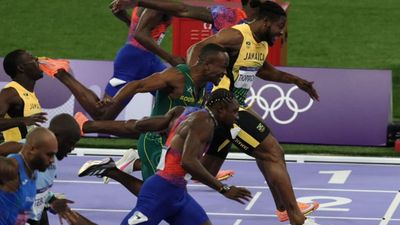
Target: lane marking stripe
(253, 201)
(252, 187)
(237, 222)
(239, 214)
(391, 210)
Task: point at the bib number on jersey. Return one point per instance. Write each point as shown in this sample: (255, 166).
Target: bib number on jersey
(39, 204)
(161, 163)
(246, 77)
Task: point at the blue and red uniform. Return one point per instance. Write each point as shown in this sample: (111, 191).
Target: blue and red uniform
(133, 61)
(164, 196)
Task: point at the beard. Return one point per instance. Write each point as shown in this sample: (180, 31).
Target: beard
(270, 37)
(39, 164)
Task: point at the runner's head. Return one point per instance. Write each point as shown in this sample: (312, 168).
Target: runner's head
(214, 59)
(224, 106)
(67, 131)
(270, 22)
(40, 148)
(21, 62)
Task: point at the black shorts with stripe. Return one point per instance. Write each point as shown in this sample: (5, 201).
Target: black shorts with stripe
(247, 134)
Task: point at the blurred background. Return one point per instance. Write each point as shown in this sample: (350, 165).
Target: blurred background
(357, 34)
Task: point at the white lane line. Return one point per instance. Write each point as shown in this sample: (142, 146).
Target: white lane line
(250, 187)
(253, 201)
(242, 214)
(83, 182)
(237, 222)
(102, 210)
(242, 157)
(315, 159)
(392, 208)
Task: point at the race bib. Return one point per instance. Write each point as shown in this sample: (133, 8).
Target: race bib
(246, 77)
(161, 163)
(39, 204)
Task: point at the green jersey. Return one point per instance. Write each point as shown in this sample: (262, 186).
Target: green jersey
(163, 102)
(150, 144)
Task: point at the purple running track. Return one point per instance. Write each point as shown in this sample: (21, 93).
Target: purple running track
(349, 194)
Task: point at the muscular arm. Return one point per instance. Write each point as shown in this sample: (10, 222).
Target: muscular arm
(10, 147)
(268, 72)
(9, 97)
(158, 81)
(172, 8)
(158, 123)
(231, 39)
(179, 9)
(123, 16)
(197, 137)
(117, 128)
(155, 82)
(148, 21)
(132, 128)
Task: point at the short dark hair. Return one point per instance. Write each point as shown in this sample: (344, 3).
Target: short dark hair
(209, 50)
(269, 9)
(220, 96)
(65, 124)
(11, 61)
(253, 3)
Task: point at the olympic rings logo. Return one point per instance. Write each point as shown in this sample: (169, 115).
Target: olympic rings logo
(277, 103)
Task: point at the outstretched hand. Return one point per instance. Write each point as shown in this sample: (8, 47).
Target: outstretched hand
(35, 119)
(307, 86)
(60, 206)
(118, 5)
(238, 194)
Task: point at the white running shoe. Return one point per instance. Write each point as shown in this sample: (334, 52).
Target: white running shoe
(126, 163)
(309, 221)
(96, 167)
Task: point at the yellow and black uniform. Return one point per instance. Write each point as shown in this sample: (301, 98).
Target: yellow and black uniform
(247, 134)
(250, 130)
(30, 106)
(242, 70)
